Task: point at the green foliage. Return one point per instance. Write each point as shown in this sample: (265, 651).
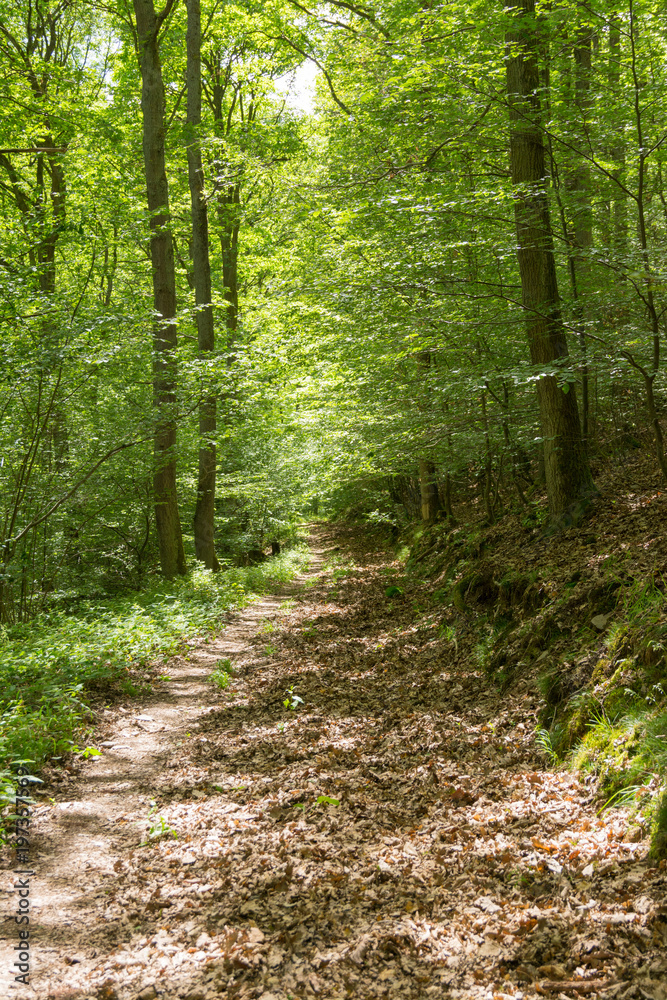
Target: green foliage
(222, 674)
(659, 830)
(159, 828)
(85, 752)
(544, 743)
(292, 701)
(51, 668)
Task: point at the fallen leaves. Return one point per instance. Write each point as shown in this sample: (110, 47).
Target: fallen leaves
(392, 836)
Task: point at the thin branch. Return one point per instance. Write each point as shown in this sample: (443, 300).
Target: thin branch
(319, 65)
(77, 486)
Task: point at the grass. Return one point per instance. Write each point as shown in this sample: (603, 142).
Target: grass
(53, 668)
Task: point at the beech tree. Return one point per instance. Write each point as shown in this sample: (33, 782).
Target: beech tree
(568, 476)
(204, 517)
(167, 517)
(407, 319)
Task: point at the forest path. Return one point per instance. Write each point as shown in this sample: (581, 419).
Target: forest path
(390, 832)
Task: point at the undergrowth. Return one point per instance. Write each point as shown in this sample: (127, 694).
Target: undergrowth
(55, 666)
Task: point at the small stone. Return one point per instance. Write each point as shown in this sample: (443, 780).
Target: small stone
(148, 993)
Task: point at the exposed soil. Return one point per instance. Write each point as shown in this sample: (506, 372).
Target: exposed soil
(390, 832)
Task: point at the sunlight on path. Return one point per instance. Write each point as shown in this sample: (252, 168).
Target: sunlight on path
(359, 814)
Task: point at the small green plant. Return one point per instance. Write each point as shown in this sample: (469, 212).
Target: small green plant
(292, 701)
(394, 592)
(544, 744)
(327, 800)
(270, 650)
(86, 752)
(158, 829)
(221, 675)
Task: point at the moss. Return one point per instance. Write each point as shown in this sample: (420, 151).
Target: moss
(601, 670)
(659, 830)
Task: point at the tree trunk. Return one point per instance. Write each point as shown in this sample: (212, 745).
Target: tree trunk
(204, 520)
(229, 215)
(619, 237)
(170, 540)
(567, 472)
(583, 215)
(428, 488)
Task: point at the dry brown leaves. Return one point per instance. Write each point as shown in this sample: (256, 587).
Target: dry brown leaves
(393, 836)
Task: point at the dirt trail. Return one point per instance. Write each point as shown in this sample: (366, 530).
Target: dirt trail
(81, 841)
(390, 833)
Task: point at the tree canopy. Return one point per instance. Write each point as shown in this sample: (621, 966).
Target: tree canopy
(441, 286)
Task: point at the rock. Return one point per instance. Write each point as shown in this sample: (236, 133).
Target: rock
(148, 993)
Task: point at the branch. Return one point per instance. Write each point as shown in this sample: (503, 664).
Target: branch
(77, 486)
(283, 38)
(35, 149)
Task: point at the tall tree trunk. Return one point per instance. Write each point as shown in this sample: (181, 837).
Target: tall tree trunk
(204, 520)
(428, 488)
(619, 237)
(567, 472)
(229, 215)
(583, 215)
(170, 540)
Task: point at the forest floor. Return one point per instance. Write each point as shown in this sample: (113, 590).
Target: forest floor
(359, 814)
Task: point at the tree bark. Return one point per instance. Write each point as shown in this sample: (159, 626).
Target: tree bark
(619, 235)
(168, 523)
(428, 488)
(568, 476)
(583, 216)
(204, 519)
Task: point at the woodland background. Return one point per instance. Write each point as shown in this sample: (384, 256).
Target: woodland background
(439, 296)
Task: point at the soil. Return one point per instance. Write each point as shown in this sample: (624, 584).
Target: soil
(359, 814)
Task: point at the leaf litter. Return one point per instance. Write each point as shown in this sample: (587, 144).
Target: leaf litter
(388, 832)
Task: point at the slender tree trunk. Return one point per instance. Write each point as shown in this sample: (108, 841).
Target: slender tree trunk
(428, 488)
(583, 215)
(229, 216)
(620, 201)
(651, 287)
(567, 472)
(447, 500)
(204, 520)
(170, 540)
